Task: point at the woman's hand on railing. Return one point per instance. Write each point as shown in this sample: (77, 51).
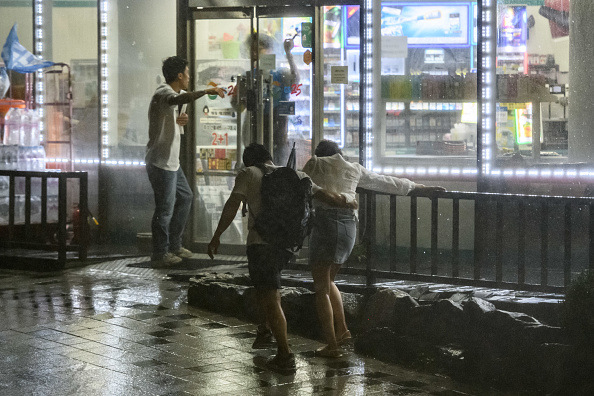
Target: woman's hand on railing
(421, 189)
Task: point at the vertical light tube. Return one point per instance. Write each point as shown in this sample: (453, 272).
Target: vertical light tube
(366, 88)
(38, 36)
(487, 87)
(103, 79)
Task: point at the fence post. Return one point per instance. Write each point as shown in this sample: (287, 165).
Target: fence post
(521, 242)
(370, 238)
(82, 218)
(499, 242)
(456, 238)
(544, 243)
(393, 246)
(62, 202)
(413, 235)
(434, 219)
(479, 217)
(567, 247)
(591, 247)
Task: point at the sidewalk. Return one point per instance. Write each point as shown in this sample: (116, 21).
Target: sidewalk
(109, 329)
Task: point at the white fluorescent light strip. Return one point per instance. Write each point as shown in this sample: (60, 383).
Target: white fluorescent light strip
(487, 91)
(368, 86)
(103, 19)
(38, 45)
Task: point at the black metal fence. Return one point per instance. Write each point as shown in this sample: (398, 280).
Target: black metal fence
(522, 242)
(506, 241)
(43, 232)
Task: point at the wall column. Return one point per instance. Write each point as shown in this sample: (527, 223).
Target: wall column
(581, 82)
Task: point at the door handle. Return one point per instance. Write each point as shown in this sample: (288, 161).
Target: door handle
(251, 99)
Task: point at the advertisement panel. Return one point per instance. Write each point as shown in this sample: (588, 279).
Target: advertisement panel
(512, 29)
(427, 24)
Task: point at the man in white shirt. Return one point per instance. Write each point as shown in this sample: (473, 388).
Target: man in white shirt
(173, 195)
(265, 261)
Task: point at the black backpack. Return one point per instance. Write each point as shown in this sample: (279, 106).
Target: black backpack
(286, 213)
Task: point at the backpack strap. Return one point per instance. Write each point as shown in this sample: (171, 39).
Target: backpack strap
(244, 208)
(263, 168)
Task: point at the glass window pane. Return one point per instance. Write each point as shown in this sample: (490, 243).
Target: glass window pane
(428, 84)
(341, 99)
(221, 56)
(21, 13)
(532, 78)
(140, 34)
(80, 55)
(290, 86)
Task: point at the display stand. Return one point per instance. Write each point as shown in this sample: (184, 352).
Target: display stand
(58, 115)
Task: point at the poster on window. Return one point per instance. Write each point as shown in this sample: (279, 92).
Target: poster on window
(427, 24)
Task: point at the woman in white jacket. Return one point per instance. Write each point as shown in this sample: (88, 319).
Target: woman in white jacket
(333, 235)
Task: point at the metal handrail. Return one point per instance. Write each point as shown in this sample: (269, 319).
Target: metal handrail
(26, 239)
(543, 203)
(511, 274)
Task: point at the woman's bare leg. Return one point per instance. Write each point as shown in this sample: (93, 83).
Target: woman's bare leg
(337, 306)
(323, 287)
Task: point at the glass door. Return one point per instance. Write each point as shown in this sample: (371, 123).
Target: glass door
(341, 49)
(283, 70)
(257, 54)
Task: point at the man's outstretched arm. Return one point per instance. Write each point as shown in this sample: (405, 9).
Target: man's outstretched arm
(188, 97)
(227, 216)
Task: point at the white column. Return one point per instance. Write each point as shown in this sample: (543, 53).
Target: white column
(581, 81)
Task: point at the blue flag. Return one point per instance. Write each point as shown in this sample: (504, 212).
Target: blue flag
(17, 58)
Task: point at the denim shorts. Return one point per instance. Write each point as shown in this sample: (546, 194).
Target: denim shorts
(333, 236)
(265, 263)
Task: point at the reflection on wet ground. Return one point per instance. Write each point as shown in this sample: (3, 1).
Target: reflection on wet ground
(108, 329)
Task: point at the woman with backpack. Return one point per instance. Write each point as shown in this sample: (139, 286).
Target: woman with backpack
(334, 231)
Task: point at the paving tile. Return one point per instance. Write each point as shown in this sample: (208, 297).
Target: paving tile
(104, 330)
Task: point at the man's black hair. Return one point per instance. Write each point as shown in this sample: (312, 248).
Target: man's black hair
(255, 154)
(172, 66)
(264, 42)
(327, 148)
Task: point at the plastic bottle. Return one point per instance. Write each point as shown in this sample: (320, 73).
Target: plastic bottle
(7, 158)
(12, 126)
(30, 158)
(31, 128)
(12, 157)
(21, 159)
(25, 135)
(40, 159)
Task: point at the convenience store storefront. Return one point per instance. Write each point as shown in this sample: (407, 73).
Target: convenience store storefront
(395, 83)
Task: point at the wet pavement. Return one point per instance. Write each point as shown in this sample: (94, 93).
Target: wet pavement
(112, 329)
